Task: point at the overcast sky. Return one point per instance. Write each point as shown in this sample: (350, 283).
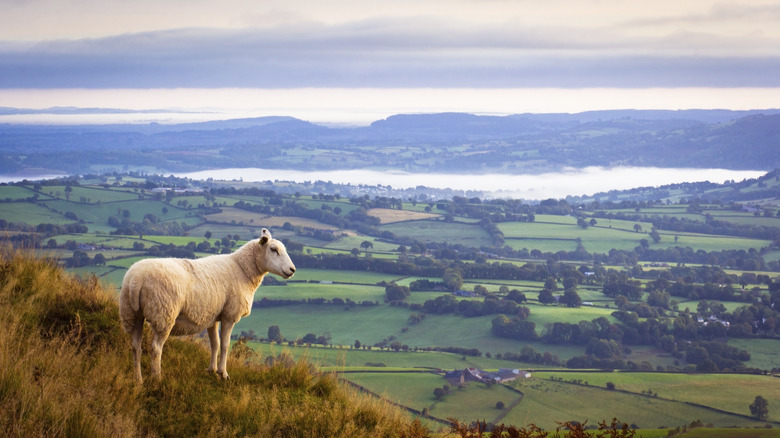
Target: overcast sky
(400, 44)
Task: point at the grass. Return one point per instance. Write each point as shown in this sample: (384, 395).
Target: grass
(360, 277)
(371, 325)
(561, 235)
(31, 214)
(387, 215)
(91, 194)
(729, 392)
(356, 359)
(303, 291)
(96, 215)
(13, 193)
(438, 231)
(231, 215)
(546, 402)
(764, 353)
(67, 372)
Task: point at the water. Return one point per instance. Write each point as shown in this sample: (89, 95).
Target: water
(569, 182)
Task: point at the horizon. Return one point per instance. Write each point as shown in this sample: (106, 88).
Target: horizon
(361, 106)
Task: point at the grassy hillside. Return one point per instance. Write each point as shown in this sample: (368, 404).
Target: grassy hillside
(66, 372)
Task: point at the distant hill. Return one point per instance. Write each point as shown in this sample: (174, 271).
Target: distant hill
(446, 142)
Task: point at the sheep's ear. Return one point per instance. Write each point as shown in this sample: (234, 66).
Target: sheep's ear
(265, 232)
(263, 240)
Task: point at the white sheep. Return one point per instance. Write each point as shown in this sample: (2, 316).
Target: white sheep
(185, 297)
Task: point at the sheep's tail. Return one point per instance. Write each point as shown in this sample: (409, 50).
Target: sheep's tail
(130, 301)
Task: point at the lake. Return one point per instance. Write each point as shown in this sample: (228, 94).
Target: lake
(574, 182)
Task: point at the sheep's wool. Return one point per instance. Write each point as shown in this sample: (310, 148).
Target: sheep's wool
(185, 297)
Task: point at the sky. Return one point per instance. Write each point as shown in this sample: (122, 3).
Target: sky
(357, 60)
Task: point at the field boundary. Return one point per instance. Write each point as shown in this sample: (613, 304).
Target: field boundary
(709, 408)
(406, 408)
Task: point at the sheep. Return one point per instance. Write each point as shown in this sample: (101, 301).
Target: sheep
(184, 297)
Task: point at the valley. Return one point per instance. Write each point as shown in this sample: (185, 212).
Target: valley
(670, 300)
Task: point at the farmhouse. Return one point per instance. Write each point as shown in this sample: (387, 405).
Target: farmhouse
(465, 293)
(457, 377)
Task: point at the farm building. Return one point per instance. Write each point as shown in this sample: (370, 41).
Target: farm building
(457, 377)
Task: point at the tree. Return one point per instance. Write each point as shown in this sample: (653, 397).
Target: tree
(274, 334)
(516, 296)
(571, 298)
(637, 228)
(366, 245)
(760, 408)
(453, 280)
(394, 292)
(610, 386)
(99, 259)
(439, 393)
(621, 302)
(500, 405)
(546, 297)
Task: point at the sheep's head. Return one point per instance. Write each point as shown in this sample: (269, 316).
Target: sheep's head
(274, 257)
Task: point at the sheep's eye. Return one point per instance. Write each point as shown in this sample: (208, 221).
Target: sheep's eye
(275, 251)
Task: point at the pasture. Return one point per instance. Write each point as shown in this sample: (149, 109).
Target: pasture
(388, 215)
(472, 401)
(91, 195)
(557, 236)
(303, 291)
(356, 277)
(96, 215)
(371, 325)
(764, 353)
(350, 359)
(16, 193)
(546, 402)
(729, 392)
(439, 231)
(350, 241)
(31, 214)
(231, 215)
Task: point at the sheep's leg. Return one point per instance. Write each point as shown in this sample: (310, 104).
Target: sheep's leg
(225, 328)
(137, 337)
(214, 341)
(157, 345)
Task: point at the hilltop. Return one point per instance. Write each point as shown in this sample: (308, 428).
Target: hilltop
(66, 372)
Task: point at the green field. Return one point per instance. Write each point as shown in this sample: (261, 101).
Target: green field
(14, 193)
(358, 277)
(547, 402)
(303, 291)
(438, 231)
(764, 353)
(32, 214)
(728, 392)
(555, 236)
(475, 401)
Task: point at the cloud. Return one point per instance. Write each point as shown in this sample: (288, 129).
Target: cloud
(420, 51)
